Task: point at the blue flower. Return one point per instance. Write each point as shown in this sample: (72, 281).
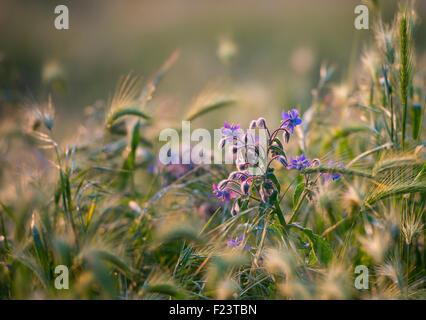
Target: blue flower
(231, 131)
(291, 119)
(224, 194)
(299, 163)
(333, 175)
(237, 242)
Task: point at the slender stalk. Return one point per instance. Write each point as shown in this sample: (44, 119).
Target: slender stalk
(296, 210)
(403, 72)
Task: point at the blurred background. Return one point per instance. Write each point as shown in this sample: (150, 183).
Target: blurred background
(268, 51)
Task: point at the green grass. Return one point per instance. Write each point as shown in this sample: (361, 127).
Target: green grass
(128, 232)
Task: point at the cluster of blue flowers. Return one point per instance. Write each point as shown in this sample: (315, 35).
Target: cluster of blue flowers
(241, 185)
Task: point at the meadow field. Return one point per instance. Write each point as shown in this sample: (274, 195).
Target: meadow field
(91, 209)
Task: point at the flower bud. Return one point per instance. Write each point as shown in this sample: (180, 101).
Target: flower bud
(283, 161)
(286, 136)
(242, 166)
(245, 186)
(261, 122)
(253, 124)
(233, 175)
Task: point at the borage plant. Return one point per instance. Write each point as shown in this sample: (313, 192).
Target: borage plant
(255, 150)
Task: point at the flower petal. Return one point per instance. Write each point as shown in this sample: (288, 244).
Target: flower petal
(294, 113)
(285, 115)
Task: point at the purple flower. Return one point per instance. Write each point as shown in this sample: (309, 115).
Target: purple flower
(224, 194)
(237, 242)
(231, 131)
(333, 175)
(299, 163)
(291, 119)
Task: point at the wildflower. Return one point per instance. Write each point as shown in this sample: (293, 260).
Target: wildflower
(224, 194)
(291, 119)
(237, 242)
(299, 163)
(333, 175)
(231, 131)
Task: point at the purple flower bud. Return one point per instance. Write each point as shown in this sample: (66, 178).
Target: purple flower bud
(261, 123)
(245, 186)
(242, 166)
(286, 136)
(283, 161)
(253, 124)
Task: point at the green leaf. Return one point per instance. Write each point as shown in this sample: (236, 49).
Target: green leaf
(416, 117)
(208, 108)
(274, 179)
(278, 142)
(297, 192)
(126, 112)
(8, 211)
(278, 150)
(130, 160)
(320, 247)
(166, 289)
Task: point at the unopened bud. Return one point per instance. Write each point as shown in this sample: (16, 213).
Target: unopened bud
(261, 122)
(245, 186)
(283, 161)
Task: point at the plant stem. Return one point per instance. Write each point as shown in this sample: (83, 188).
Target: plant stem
(403, 73)
(299, 203)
